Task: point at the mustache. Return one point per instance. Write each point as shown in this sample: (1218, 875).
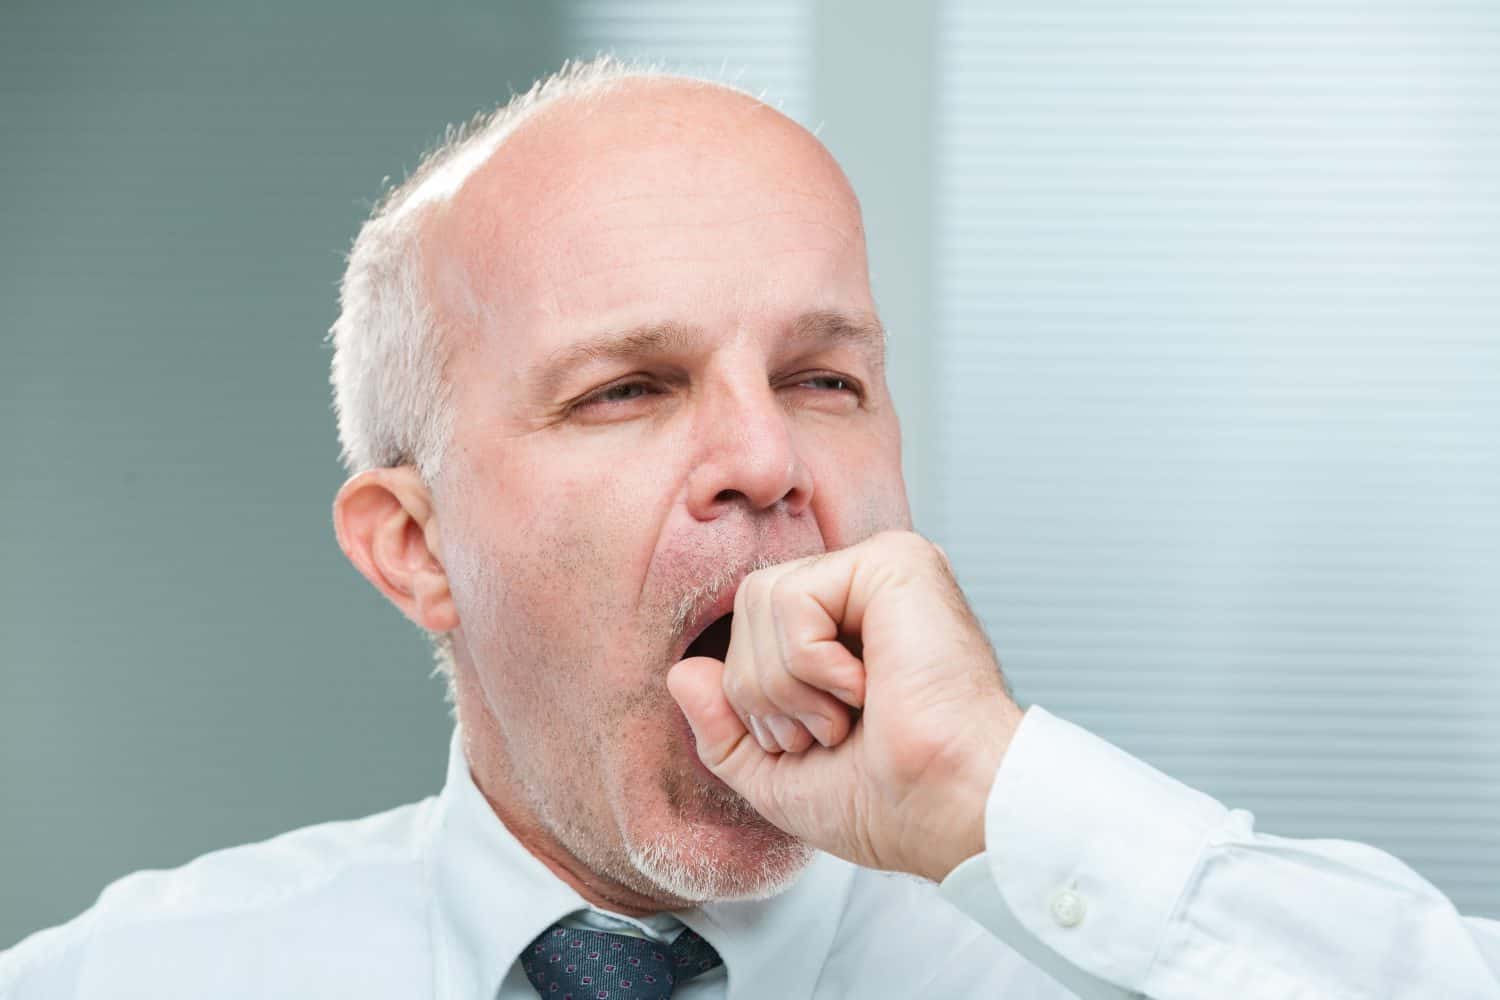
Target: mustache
(691, 604)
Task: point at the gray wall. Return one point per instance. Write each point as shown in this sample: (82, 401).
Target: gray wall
(186, 660)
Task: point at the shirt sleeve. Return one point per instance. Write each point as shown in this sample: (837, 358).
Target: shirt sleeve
(1121, 882)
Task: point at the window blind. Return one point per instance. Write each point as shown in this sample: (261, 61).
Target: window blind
(1218, 393)
(765, 48)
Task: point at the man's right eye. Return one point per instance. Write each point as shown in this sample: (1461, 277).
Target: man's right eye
(616, 395)
(621, 393)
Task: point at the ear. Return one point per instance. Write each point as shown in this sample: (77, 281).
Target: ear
(385, 525)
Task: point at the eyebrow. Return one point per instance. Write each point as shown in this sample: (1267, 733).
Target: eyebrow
(548, 375)
(861, 331)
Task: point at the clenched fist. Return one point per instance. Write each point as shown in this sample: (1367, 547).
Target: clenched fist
(860, 706)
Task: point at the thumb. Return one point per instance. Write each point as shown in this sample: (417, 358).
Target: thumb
(697, 684)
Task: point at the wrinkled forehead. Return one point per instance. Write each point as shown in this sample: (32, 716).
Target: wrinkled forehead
(582, 210)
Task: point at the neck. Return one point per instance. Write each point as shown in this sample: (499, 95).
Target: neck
(489, 766)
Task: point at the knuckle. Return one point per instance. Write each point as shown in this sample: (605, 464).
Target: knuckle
(809, 663)
(912, 548)
(780, 590)
(759, 580)
(920, 547)
(897, 538)
(777, 590)
(757, 602)
(826, 665)
(782, 689)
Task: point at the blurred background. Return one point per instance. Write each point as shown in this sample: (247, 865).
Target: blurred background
(1196, 338)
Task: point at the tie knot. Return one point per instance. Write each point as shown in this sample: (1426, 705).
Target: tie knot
(564, 963)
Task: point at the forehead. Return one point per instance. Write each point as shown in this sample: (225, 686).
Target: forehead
(659, 201)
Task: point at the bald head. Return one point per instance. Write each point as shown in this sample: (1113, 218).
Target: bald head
(585, 179)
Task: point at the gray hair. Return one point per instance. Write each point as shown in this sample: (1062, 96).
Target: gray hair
(390, 395)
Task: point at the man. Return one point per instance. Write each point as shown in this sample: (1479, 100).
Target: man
(609, 383)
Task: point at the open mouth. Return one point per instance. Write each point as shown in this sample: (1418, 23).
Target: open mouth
(712, 641)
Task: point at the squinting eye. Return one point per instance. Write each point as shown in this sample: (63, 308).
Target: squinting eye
(622, 393)
(834, 382)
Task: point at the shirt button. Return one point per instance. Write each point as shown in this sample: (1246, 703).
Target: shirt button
(1067, 908)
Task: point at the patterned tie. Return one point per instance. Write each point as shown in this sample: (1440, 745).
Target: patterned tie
(568, 964)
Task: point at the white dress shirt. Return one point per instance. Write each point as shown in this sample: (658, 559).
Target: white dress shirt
(1122, 882)
(1100, 874)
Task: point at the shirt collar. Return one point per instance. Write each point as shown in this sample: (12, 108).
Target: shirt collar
(777, 946)
(491, 897)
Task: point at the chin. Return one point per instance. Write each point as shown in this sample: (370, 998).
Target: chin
(705, 842)
(706, 862)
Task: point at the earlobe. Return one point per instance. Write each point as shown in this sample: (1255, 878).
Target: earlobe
(384, 522)
(435, 610)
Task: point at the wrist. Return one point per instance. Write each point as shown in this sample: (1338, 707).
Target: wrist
(967, 795)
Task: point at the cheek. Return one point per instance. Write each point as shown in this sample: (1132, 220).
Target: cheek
(858, 488)
(866, 506)
(569, 505)
(563, 544)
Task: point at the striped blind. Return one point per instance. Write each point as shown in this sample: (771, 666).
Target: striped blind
(1218, 389)
(765, 47)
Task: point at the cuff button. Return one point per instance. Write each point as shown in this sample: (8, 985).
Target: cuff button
(1067, 908)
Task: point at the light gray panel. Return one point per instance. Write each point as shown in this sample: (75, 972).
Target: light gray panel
(765, 48)
(1217, 390)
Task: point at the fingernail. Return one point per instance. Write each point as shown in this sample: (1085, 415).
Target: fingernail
(766, 743)
(820, 727)
(784, 729)
(844, 695)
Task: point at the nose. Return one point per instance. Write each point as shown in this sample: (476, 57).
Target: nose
(747, 454)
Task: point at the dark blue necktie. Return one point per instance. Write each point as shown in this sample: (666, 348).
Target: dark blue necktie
(568, 964)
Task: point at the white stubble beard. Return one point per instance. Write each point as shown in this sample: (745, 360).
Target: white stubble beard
(691, 863)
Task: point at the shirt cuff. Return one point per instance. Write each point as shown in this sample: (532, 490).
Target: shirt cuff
(1090, 851)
